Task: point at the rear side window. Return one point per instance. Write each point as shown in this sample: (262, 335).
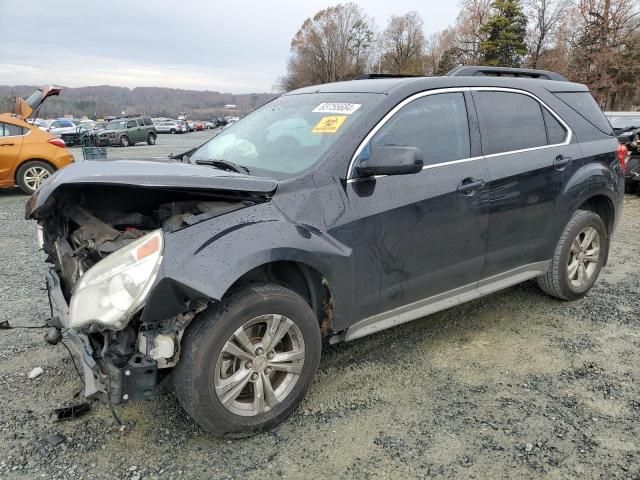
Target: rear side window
(585, 106)
(509, 122)
(436, 124)
(147, 121)
(8, 130)
(556, 133)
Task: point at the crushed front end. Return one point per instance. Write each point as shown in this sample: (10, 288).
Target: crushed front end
(105, 247)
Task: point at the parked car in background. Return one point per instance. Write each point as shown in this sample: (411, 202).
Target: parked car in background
(127, 131)
(234, 268)
(28, 154)
(169, 127)
(198, 126)
(185, 126)
(57, 126)
(209, 125)
(626, 126)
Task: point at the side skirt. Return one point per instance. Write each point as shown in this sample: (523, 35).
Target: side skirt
(442, 301)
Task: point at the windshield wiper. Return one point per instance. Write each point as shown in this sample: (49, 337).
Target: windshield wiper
(224, 165)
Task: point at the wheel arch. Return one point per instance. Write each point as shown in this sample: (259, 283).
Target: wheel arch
(300, 277)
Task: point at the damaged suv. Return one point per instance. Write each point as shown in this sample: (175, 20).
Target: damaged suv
(330, 213)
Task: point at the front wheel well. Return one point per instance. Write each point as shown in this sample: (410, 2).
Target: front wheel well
(302, 279)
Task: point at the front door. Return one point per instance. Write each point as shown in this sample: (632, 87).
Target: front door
(10, 146)
(425, 232)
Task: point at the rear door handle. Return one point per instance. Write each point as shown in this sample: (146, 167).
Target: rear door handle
(561, 162)
(7, 144)
(469, 186)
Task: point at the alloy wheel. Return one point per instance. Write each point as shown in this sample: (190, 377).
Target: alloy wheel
(583, 257)
(35, 176)
(259, 365)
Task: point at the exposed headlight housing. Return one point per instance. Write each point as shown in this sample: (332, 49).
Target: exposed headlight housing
(115, 288)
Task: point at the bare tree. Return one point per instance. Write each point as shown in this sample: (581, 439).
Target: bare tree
(544, 18)
(403, 44)
(470, 34)
(333, 45)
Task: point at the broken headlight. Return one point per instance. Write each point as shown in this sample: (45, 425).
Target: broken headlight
(115, 288)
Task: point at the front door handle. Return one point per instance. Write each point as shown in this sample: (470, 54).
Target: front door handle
(469, 186)
(7, 144)
(560, 162)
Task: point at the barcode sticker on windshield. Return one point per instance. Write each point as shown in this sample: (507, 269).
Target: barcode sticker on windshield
(340, 108)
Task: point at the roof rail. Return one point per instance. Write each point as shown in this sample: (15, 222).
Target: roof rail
(367, 76)
(479, 71)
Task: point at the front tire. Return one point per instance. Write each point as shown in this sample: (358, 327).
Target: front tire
(32, 175)
(124, 141)
(248, 362)
(578, 257)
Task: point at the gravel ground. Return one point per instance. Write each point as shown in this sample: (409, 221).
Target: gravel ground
(515, 385)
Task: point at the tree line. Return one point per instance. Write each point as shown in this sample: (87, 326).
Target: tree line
(101, 101)
(595, 42)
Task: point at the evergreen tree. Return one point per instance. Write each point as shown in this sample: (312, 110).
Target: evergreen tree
(506, 30)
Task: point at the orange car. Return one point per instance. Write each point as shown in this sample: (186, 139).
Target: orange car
(28, 155)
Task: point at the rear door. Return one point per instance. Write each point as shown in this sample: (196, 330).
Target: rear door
(527, 149)
(11, 137)
(425, 232)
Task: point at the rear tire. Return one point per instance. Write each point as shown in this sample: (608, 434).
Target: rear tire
(234, 378)
(578, 257)
(31, 175)
(151, 139)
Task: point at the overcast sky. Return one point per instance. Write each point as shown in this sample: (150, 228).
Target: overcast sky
(233, 46)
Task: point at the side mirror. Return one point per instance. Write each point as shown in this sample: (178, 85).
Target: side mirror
(391, 160)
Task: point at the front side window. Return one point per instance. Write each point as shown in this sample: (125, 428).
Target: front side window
(509, 122)
(289, 134)
(436, 124)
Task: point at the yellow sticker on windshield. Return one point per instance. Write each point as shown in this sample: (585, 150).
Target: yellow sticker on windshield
(329, 124)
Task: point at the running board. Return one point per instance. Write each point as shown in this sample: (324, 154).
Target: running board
(442, 301)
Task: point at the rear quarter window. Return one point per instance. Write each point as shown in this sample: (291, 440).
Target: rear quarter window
(148, 121)
(585, 106)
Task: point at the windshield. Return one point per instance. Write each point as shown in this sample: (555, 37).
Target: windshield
(116, 125)
(289, 134)
(625, 122)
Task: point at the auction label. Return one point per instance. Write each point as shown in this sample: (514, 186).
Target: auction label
(329, 124)
(341, 108)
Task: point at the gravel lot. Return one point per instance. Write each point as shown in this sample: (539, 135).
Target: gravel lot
(515, 385)
(165, 145)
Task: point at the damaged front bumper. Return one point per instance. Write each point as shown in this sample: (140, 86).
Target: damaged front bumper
(103, 379)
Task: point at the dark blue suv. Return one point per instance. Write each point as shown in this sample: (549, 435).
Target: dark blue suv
(330, 213)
